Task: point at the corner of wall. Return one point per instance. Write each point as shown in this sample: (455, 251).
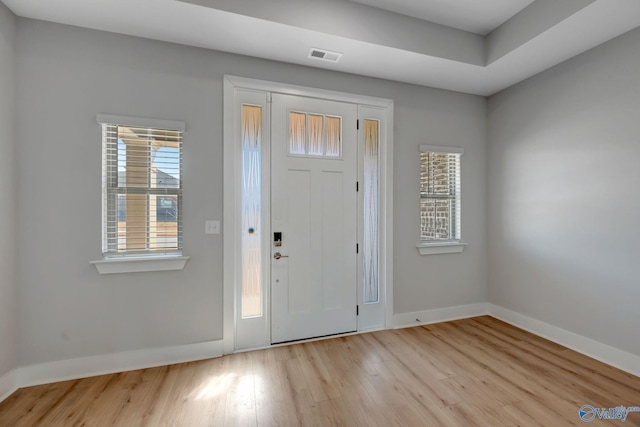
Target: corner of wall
(9, 194)
(8, 384)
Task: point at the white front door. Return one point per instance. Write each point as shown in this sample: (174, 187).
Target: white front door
(313, 218)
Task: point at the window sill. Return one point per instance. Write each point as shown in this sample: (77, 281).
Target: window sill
(440, 248)
(138, 265)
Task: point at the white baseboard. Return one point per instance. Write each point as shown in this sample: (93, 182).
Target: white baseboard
(8, 384)
(92, 366)
(610, 355)
(437, 315)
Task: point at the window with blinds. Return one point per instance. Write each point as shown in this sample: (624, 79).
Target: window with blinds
(440, 194)
(141, 188)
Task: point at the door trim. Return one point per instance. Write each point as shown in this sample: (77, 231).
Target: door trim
(231, 191)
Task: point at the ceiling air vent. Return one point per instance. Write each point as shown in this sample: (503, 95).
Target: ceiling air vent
(325, 55)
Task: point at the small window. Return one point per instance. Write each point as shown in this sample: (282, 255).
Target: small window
(141, 189)
(439, 194)
(315, 135)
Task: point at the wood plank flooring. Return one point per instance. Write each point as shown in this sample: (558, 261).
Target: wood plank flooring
(473, 372)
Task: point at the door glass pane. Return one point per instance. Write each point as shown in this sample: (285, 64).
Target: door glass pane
(297, 131)
(371, 210)
(334, 136)
(251, 206)
(315, 135)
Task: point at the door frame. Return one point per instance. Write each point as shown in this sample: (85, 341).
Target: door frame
(234, 88)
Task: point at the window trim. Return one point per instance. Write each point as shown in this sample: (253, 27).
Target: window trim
(138, 262)
(435, 247)
(133, 121)
(130, 264)
(441, 149)
(442, 247)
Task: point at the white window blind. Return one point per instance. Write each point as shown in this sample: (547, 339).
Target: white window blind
(440, 195)
(142, 188)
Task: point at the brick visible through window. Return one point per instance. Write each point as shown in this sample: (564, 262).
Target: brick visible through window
(439, 196)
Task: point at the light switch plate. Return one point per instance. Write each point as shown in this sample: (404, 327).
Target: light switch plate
(212, 227)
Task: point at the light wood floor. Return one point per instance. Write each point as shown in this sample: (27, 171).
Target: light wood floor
(474, 372)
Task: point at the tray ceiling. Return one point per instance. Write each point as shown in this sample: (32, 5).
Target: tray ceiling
(472, 46)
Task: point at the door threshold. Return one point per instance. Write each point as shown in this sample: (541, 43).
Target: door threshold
(319, 337)
(306, 340)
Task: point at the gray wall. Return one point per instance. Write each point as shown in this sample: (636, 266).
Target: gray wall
(564, 206)
(427, 116)
(8, 192)
(68, 75)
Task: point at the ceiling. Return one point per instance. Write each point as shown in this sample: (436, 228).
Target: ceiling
(476, 16)
(472, 46)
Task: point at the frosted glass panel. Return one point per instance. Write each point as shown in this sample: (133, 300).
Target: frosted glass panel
(251, 205)
(371, 210)
(316, 147)
(297, 131)
(334, 136)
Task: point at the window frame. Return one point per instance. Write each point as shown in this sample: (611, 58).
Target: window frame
(145, 260)
(441, 246)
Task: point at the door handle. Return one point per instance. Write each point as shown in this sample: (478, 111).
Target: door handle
(278, 255)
